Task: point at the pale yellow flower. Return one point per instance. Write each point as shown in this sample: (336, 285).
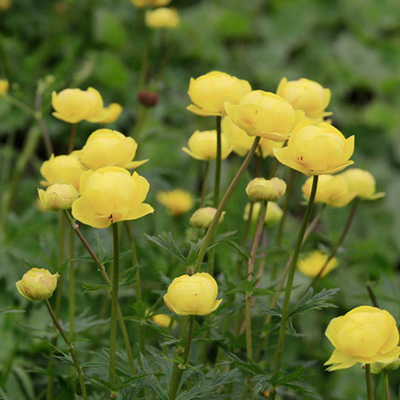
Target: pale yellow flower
(177, 201)
(37, 284)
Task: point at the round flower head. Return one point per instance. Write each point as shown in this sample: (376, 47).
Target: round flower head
(177, 201)
(108, 114)
(37, 284)
(242, 142)
(162, 18)
(61, 168)
(162, 320)
(193, 295)
(314, 262)
(111, 194)
(4, 85)
(75, 105)
(332, 190)
(105, 147)
(362, 183)
(202, 217)
(365, 335)
(260, 189)
(209, 92)
(203, 146)
(273, 215)
(58, 196)
(316, 150)
(306, 95)
(264, 114)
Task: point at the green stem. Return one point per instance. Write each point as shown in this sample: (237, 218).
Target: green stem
(387, 388)
(72, 284)
(204, 185)
(218, 163)
(371, 295)
(368, 381)
(40, 121)
(177, 370)
(210, 232)
(19, 104)
(72, 135)
(292, 270)
(71, 349)
(114, 305)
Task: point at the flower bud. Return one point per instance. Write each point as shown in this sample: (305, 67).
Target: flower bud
(378, 367)
(58, 196)
(162, 320)
(37, 284)
(148, 98)
(202, 217)
(273, 215)
(162, 17)
(193, 295)
(4, 85)
(260, 189)
(314, 262)
(362, 183)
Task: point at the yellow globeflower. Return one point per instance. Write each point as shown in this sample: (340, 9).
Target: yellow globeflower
(202, 217)
(364, 335)
(209, 92)
(154, 3)
(4, 85)
(177, 201)
(108, 114)
(162, 320)
(5, 4)
(362, 183)
(62, 168)
(261, 189)
(37, 284)
(273, 215)
(75, 105)
(106, 147)
(193, 295)
(316, 150)
(162, 17)
(314, 262)
(306, 95)
(203, 146)
(332, 190)
(264, 114)
(58, 196)
(111, 194)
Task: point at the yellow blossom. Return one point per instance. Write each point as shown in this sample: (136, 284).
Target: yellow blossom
(5, 4)
(209, 92)
(203, 146)
(362, 183)
(316, 150)
(4, 85)
(177, 201)
(107, 114)
(162, 17)
(61, 168)
(332, 190)
(273, 215)
(202, 217)
(111, 194)
(58, 196)
(193, 295)
(37, 284)
(75, 105)
(314, 262)
(106, 147)
(364, 335)
(162, 320)
(261, 189)
(306, 95)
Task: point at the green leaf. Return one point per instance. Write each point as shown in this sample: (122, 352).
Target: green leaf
(167, 242)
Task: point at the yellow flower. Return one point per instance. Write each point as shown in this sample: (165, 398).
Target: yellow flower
(4, 85)
(177, 201)
(5, 4)
(75, 105)
(61, 168)
(365, 335)
(264, 114)
(111, 194)
(58, 196)
(314, 262)
(242, 142)
(316, 150)
(193, 295)
(306, 95)
(162, 17)
(202, 217)
(332, 190)
(261, 189)
(37, 284)
(154, 3)
(108, 114)
(209, 92)
(273, 215)
(162, 320)
(106, 147)
(203, 146)
(362, 183)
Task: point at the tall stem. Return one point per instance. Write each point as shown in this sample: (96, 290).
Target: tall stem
(72, 284)
(368, 381)
(292, 270)
(72, 135)
(217, 182)
(71, 349)
(204, 184)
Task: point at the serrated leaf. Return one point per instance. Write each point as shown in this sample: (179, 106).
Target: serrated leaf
(88, 287)
(167, 242)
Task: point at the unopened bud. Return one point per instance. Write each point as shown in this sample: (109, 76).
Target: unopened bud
(58, 196)
(260, 189)
(37, 284)
(202, 217)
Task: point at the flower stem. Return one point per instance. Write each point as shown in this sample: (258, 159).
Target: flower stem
(204, 185)
(71, 349)
(208, 236)
(72, 285)
(217, 181)
(177, 370)
(72, 135)
(292, 270)
(368, 381)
